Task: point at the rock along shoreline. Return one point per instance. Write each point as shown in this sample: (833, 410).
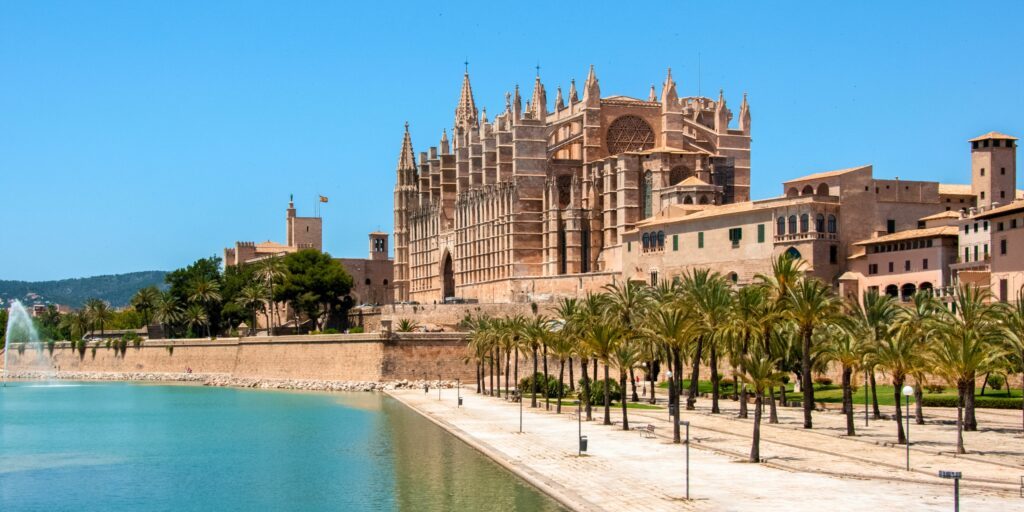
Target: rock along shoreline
(224, 380)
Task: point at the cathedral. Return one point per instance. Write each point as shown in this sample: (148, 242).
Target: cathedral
(533, 204)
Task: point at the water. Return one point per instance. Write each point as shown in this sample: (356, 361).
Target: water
(129, 447)
(21, 329)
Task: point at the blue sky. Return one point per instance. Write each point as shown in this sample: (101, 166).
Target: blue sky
(144, 135)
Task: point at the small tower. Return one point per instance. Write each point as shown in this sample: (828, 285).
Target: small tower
(993, 169)
(378, 246)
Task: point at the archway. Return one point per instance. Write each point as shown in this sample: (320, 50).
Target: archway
(687, 200)
(892, 290)
(908, 291)
(792, 192)
(447, 277)
(793, 253)
(808, 190)
(925, 287)
(823, 189)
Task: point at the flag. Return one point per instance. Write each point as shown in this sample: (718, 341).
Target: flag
(323, 199)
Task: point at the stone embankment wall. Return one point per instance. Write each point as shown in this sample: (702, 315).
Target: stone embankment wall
(341, 357)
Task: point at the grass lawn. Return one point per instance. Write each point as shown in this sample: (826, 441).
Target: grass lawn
(833, 393)
(629, 405)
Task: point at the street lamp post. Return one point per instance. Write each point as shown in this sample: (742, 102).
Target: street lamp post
(520, 413)
(458, 391)
(955, 476)
(439, 387)
(581, 441)
(907, 391)
(687, 425)
(672, 398)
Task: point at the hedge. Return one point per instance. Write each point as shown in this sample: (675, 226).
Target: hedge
(980, 402)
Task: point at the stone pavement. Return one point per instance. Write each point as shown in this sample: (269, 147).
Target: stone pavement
(806, 471)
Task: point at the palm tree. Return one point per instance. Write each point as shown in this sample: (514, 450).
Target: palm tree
(811, 304)
(271, 271)
(875, 314)
(971, 311)
(407, 325)
(746, 324)
(195, 316)
(672, 329)
(628, 302)
(145, 300)
(251, 297)
(535, 334)
(603, 335)
(626, 355)
(707, 292)
(1013, 333)
(760, 373)
(590, 309)
(899, 356)
(99, 313)
(204, 291)
(565, 342)
(959, 355)
(919, 319)
(846, 347)
(76, 323)
(167, 312)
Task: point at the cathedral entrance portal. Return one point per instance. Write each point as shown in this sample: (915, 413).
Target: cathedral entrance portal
(448, 277)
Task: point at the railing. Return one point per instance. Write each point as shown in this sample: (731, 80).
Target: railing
(810, 235)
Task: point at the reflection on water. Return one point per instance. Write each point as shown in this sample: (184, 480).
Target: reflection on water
(121, 447)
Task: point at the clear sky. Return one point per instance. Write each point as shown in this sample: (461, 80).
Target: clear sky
(144, 135)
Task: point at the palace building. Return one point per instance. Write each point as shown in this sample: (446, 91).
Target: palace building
(534, 202)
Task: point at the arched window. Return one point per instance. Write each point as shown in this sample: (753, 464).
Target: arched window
(804, 223)
(808, 190)
(648, 184)
(831, 223)
(908, 291)
(661, 239)
(792, 192)
(792, 224)
(819, 223)
(687, 200)
(781, 229)
(892, 290)
(925, 287)
(703, 199)
(734, 277)
(367, 281)
(385, 282)
(647, 241)
(793, 253)
(823, 189)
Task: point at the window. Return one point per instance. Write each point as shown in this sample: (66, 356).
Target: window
(999, 226)
(920, 224)
(1002, 171)
(675, 242)
(891, 267)
(819, 223)
(873, 269)
(890, 226)
(654, 278)
(1002, 194)
(648, 184)
(647, 241)
(700, 240)
(986, 250)
(982, 171)
(805, 223)
(760, 233)
(780, 229)
(984, 143)
(831, 223)
(833, 254)
(984, 225)
(792, 224)
(967, 254)
(1013, 223)
(906, 266)
(629, 246)
(1004, 290)
(661, 240)
(924, 264)
(735, 234)
(1002, 246)
(983, 194)
(975, 227)
(967, 229)
(974, 145)
(975, 253)
(367, 281)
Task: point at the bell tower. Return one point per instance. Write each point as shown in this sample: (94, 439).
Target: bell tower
(994, 169)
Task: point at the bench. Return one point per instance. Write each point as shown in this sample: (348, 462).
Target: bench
(646, 431)
(516, 396)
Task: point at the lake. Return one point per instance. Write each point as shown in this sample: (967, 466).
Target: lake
(140, 447)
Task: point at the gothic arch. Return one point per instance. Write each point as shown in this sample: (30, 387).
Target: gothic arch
(447, 276)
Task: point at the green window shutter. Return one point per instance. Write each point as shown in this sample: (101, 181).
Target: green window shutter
(760, 233)
(675, 242)
(700, 240)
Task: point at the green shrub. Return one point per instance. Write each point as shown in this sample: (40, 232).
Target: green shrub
(980, 402)
(824, 381)
(726, 382)
(996, 381)
(551, 384)
(597, 391)
(351, 330)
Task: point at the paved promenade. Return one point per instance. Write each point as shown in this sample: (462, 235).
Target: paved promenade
(805, 470)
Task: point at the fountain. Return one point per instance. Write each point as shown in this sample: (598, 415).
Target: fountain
(20, 329)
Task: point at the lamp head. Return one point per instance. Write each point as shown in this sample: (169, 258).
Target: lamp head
(908, 390)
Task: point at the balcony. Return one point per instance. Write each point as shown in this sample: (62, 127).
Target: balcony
(801, 237)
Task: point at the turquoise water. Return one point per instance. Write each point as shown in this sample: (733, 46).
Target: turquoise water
(130, 447)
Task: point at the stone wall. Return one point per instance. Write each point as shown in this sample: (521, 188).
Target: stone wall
(341, 357)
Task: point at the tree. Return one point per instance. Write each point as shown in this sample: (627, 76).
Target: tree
(628, 302)
(672, 329)
(252, 298)
(847, 348)
(145, 300)
(271, 271)
(181, 281)
(167, 312)
(206, 293)
(626, 356)
(315, 284)
(603, 336)
(99, 313)
(959, 355)
(1013, 331)
(899, 356)
(811, 304)
(195, 317)
(406, 325)
(76, 323)
(535, 333)
(971, 311)
(919, 320)
(745, 326)
(760, 373)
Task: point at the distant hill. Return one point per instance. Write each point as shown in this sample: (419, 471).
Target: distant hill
(115, 289)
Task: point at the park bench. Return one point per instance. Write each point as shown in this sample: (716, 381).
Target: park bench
(516, 396)
(646, 431)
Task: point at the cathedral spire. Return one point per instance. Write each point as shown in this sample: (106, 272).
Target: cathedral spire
(745, 115)
(652, 96)
(573, 97)
(406, 158)
(517, 105)
(540, 99)
(559, 102)
(465, 112)
(444, 142)
(669, 97)
(591, 89)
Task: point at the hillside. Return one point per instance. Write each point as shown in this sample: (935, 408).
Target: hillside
(115, 289)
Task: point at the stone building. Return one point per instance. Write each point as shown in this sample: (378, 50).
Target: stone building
(535, 202)
(300, 233)
(372, 277)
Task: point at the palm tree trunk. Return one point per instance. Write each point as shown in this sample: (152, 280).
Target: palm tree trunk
(755, 447)
(674, 390)
(848, 400)
(586, 386)
(805, 381)
(918, 405)
(773, 412)
(714, 379)
(479, 379)
(607, 398)
(961, 390)
(491, 364)
(572, 381)
(691, 399)
(533, 380)
(508, 357)
(901, 436)
(876, 413)
(984, 383)
(497, 360)
(516, 378)
(622, 386)
(547, 403)
(632, 382)
(561, 373)
(651, 375)
(970, 420)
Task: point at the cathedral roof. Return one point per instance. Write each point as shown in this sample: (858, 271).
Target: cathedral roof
(993, 135)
